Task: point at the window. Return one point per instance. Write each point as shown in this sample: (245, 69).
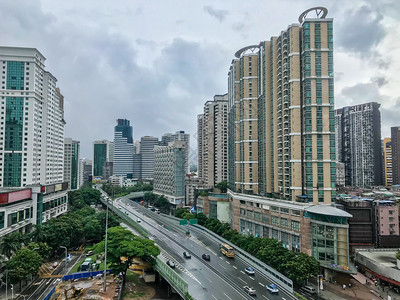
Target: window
(275, 220)
(284, 210)
(284, 222)
(296, 225)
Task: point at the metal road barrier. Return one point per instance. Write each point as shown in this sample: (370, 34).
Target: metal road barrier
(172, 277)
(277, 277)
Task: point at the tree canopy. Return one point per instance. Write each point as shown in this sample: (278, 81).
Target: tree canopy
(123, 246)
(23, 263)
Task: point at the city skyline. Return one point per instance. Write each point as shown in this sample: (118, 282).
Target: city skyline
(168, 64)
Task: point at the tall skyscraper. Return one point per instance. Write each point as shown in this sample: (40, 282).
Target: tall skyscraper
(71, 163)
(123, 149)
(166, 139)
(33, 130)
(281, 141)
(147, 144)
(103, 152)
(395, 138)
(387, 161)
(212, 141)
(281, 115)
(359, 144)
(169, 171)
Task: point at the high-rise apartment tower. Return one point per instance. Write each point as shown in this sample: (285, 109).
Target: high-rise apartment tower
(212, 141)
(359, 146)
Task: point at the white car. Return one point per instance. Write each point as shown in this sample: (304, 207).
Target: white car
(273, 289)
(249, 271)
(249, 290)
(138, 220)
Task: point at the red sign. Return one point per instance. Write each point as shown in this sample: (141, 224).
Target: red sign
(10, 197)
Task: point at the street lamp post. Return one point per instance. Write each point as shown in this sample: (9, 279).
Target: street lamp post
(105, 252)
(65, 263)
(12, 291)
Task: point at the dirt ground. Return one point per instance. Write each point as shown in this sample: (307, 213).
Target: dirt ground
(87, 289)
(135, 289)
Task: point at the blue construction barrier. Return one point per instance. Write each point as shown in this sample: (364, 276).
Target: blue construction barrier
(88, 274)
(50, 294)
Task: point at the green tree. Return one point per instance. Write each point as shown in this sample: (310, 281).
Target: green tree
(223, 186)
(179, 212)
(163, 203)
(11, 243)
(41, 248)
(123, 246)
(93, 230)
(38, 234)
(22, 264)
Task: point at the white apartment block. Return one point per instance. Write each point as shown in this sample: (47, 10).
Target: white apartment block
(212, 132)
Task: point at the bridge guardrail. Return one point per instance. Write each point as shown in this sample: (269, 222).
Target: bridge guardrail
(172, 277)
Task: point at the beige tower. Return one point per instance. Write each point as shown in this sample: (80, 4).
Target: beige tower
(281, 115)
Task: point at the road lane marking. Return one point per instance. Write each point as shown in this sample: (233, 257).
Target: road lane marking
(220, 257)
(228, 262)
(242, 280)
(283, 299)
(227, 296)
(260, 283)
(234, 267)
(265, 297)
(214, 297)
(251, 278)
(208, 279)
(242, 272)
(221, 266)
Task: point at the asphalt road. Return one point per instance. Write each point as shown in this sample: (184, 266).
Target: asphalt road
(40, 288)
(220, 278)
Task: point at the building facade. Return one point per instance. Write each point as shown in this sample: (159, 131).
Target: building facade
(359, 145)
(147, 144)
(340, 175)
(103, 152)
(395, 139)
(387, 224)
(387, 162)
(85, 171)
(32, 147)
(281, 142)
(212, 142)
(71, 163)
(123, 149)
(169, 172)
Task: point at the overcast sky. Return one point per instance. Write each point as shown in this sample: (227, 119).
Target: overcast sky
(156, 62)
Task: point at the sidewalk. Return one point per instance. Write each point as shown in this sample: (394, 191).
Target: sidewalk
(357, 291)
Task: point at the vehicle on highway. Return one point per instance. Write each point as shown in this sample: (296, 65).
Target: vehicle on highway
(171, 263)
(68, 258)
(249, 290)
(55, 264)
(205, 256)
(158, 211)
(119, 207)
(187, 254)
(89, 253)
(227, 250)
(309, 290)
(273, 289)
(250, 271)
(138, 220)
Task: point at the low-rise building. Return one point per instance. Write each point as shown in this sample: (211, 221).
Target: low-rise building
(215, 205)
(22, 208)
(387, 224)
(192, 184)
(320, 231)
(380, 264)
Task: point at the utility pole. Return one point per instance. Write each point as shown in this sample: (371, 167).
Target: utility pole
(105, 251)
(65, 262)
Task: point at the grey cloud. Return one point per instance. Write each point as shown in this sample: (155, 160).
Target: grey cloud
(361, 30)
(379, 81)
(220, 14)
(239, 26)
(361, 93)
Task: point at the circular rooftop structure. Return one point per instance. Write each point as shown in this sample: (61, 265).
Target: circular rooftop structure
(320, 13)
(252, 48)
